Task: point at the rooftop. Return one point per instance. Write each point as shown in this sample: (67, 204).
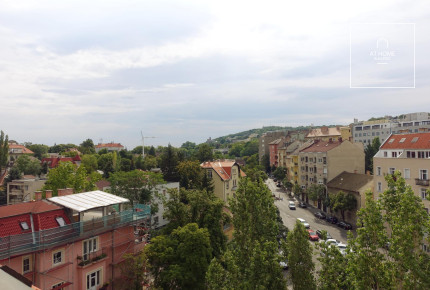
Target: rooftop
(22, 147)
(321, 146)
(407, 141)
(350, 181)
(88, 200)
(27, 207)
(107, 145)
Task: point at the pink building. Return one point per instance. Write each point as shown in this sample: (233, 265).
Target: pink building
(72, 241)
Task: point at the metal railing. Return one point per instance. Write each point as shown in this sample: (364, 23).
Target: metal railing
(424, 182)
(29, 242)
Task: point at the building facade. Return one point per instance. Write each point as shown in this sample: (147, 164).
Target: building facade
(21, 190)
(225, 175)
(110, 147)
(409, 154)
(365, 131)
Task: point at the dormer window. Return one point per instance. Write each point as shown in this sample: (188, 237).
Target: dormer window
(24, 226)
(60, 221)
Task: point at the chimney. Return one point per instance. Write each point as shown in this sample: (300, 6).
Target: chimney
(48, 194)
(38, 195)
(65, 191)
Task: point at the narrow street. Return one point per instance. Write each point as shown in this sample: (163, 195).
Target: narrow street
(290, 216)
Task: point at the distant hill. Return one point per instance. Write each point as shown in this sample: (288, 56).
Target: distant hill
(254, 133)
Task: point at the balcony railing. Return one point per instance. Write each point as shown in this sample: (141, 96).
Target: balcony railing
(29, 242)
(423, 182)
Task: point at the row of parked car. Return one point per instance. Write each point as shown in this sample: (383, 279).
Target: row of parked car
(333, 220)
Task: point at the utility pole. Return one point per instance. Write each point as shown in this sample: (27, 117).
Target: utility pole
(143, 143)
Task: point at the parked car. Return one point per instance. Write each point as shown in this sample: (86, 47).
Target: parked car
(313, 236)
(304, 222)
(275, 180)
(321, 236)
(342, 248)
(332, 219)
(278, 184)
(320, 215)
(344, 225)
(302, 204)
(292, 205)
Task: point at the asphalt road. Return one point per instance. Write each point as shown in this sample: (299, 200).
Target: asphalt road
(290, 216)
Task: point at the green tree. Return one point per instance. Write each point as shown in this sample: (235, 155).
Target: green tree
(343, 202)
(369, 152)
(280, 173)
(369, 266)
(151, 151)
(169, 164)
(301, 266)
(204, 152)
(135, 185)
(28, 165)
(87, 147)
(133, 274)
(190, 174)
(253, 255)
(180, 260)
(197, 206)
(89, 162)
(250, 148)
(265, 161)
(333, 273)
(40, 151)
(137, 150)
(106, 163)
(68, 175)
(4, 150)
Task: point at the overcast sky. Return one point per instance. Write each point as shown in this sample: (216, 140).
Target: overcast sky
(189, 70)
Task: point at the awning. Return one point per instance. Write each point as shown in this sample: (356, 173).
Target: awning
(88, 200)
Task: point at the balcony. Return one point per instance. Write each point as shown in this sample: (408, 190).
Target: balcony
(423, 182)
(29, 242)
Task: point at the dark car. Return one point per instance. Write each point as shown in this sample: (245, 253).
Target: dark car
(344, 225)
(320, 215)
(275, 180)
(321, 235)
(332, 219)
(279, 184)
(302, 204)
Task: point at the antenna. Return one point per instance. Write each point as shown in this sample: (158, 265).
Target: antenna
(143, 143)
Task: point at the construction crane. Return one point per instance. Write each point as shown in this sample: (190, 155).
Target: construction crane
(143, 143)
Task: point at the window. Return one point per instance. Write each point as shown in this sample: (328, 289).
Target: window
(407, 173)
(424, 174)
(57, 257)
(57, 285)
(394, 154)
(378, 171)
(402, 140)
(210, 173)
(391, 170)
(325, 170)
(24, 226)
(26, 264)
(379, 187)
(60, 221)
(89, 246)
(423, 193)
(385, 154)
(227, 184)
(93, 279)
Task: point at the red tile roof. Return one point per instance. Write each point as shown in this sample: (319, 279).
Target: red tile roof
(43, 212)
(221, 167)
(54, 161)
(322, 146)
(27, 207)
(17, 146)
(107, 145)
(409, 141)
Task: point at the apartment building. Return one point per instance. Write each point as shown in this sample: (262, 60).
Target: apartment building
(365, 131)
(72, 241)
(324, 160)
(265, 139)
(23, 189)
(292, 161)
(225, 175)
(409, 154)
(16, 150)
(273, 151)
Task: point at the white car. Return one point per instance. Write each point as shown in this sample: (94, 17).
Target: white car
(292, 205)
(342, 248)
(304, 223)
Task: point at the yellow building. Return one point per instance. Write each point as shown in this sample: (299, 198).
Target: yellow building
(225, 175)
